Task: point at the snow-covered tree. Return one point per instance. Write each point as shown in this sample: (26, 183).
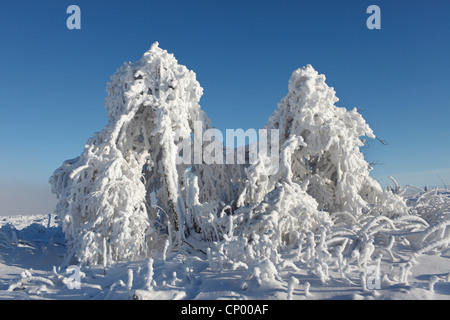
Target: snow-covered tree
(330, 161)
(322, 176)
(106, 193)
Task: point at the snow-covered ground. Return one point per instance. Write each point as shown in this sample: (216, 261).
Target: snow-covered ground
(32, 250)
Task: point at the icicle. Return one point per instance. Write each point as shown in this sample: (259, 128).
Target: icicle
(307, 287)
(363, 279)
(322, 273)
(105, 254)
(149, 277)
(340, 259)
(165, 249)
(211, 263)
(130, 279)
(293, 281)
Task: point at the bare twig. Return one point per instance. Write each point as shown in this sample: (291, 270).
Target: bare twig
(383, 142)
(190, 245)
(442, 181)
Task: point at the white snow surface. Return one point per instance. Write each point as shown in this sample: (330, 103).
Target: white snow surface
(32, 249)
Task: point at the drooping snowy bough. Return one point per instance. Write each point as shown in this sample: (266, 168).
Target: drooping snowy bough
(128, 197)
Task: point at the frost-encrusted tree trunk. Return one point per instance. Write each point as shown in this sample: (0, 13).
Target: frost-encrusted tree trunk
(105, 194)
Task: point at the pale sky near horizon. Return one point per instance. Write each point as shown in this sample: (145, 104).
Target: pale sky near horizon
(53, 80)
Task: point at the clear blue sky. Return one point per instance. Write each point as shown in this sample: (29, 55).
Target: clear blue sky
(52, 84)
